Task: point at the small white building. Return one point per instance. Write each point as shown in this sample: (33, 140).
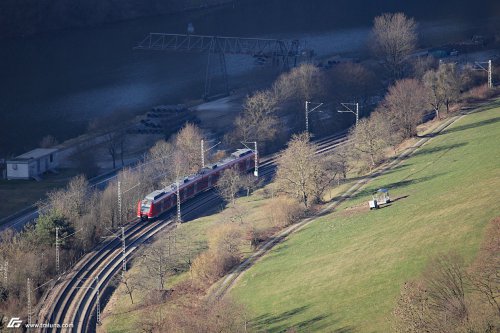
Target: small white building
(32, 164)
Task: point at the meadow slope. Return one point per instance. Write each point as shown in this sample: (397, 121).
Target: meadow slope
(343, 272)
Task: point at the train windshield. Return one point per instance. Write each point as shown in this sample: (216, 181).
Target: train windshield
(145, 205)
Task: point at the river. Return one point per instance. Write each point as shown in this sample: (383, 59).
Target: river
(55, 83)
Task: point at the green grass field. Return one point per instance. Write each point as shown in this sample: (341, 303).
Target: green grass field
(19, 194)
(343, 272)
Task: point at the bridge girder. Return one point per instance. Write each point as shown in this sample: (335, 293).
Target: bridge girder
(282, 52)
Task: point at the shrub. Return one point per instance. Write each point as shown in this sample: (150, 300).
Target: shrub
(211, 265)
(283, 211)
(480, 92)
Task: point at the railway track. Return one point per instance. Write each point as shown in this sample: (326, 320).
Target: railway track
(75, 299)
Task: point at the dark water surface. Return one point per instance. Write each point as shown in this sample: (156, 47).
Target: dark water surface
(55, 83)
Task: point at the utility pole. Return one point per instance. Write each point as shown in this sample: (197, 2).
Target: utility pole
(29, 301)
(348, 109)
(124, 254)
(98, 308)
(490, 74)
(119, 203)
(256, 153)
(57, 250)
(256, 171)
(489, 69)
(310, 111)
(179, 217)
(202, 154)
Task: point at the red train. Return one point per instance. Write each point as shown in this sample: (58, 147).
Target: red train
(159, 201)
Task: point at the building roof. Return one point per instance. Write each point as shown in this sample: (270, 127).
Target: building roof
(35, 154)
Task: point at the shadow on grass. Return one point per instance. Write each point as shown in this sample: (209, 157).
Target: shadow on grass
(400, 198)
(469, 126)
(481, 105)
(396, 185)
(437, 149)
(280, 323)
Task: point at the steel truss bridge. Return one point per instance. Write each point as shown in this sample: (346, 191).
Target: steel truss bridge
(283, 53)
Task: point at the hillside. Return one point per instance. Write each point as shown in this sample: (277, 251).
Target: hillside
(343, 272)
(20, 18)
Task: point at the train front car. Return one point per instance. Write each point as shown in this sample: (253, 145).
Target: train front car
(144, 209)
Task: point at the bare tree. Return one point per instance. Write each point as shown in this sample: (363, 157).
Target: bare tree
(341, 160)
(187, 142)
(302, 83)
(130, 285)
(70, 202)
(108, 207)
(48, 141)
(445, 279)
(405, 104)
(131, 193)
(115, 145)
(301, 173)
(249, 183)
(258, 121)
(158, 263)
(438, 302)
(229, 184)
(394, 38)
(444, 86)
(157, 167)
(368, 139)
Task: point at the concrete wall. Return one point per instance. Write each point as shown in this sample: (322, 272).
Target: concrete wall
(18, 171)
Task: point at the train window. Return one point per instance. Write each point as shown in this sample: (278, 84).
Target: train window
(145, 205)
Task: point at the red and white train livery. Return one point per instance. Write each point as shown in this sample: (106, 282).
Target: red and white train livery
(159, 201)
